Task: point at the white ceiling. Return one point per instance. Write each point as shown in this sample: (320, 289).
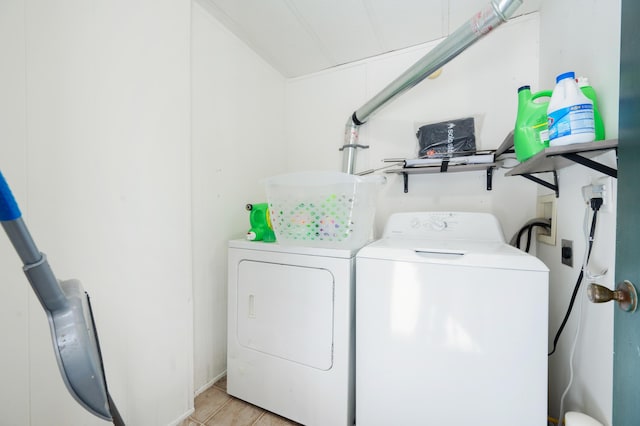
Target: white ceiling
(299, 37)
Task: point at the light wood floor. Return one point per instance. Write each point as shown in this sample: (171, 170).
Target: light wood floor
(214, 407)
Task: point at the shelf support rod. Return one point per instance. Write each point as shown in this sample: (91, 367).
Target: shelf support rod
(553, 186)
(587, 162)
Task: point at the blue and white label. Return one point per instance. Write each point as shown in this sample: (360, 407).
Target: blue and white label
(572, 120)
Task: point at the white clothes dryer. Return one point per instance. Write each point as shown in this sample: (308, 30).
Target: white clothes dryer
(451, 325)
(291, 331)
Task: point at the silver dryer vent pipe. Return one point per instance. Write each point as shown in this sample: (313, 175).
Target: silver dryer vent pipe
(494, 14)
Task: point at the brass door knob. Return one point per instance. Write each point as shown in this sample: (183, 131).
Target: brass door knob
(625, 294)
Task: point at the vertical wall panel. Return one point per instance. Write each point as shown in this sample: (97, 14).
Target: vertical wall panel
(101, 91)
(238, 139)
(566, 46)
(14, 288)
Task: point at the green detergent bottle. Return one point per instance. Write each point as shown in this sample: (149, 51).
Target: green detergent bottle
(531, 134)
(260, 220)
(587, 90)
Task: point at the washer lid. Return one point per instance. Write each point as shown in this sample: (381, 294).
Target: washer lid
(482, 254)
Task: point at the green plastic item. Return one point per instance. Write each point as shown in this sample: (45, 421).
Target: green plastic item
(531, 134)
(260, 221)
(587, 90)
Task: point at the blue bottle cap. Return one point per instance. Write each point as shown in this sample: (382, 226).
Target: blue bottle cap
(569, 74)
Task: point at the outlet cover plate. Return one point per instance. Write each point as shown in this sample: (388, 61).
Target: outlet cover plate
(607, 196)
(567, 252)
(546, 208)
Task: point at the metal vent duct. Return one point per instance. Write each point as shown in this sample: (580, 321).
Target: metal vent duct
(494, 14)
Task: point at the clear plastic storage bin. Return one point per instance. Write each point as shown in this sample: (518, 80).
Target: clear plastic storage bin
(323, 209)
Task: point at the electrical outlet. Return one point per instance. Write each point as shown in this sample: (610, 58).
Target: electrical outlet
(606, 183)
(599, 188)
(566, 253)
(592, 191)
(547, 209)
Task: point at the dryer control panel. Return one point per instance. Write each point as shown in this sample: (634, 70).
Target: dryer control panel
(466, 226)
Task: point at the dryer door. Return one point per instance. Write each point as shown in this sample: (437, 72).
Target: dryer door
(286, 311)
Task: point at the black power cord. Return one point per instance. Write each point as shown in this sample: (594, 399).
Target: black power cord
(529, 229)
(596, 203)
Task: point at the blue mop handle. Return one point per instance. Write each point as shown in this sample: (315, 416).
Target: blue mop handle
(8, 207)
(36, 267)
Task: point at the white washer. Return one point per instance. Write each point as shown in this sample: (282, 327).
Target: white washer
(291, 331)
(451, 325)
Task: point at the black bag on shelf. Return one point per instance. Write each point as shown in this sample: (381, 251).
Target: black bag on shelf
(447, 139)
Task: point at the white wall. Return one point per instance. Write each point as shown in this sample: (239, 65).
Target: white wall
(95, 142)
(14, 291)
(583, 37)
(481, 82)
(237, 122)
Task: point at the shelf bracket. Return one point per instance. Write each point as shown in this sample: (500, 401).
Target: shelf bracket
(443, 169)
(587, 162)
(553, 186)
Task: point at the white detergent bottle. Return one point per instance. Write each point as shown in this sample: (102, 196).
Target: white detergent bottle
(570, 113)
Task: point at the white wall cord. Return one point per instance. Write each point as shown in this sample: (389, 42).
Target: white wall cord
(587, 276)
(573, 350)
